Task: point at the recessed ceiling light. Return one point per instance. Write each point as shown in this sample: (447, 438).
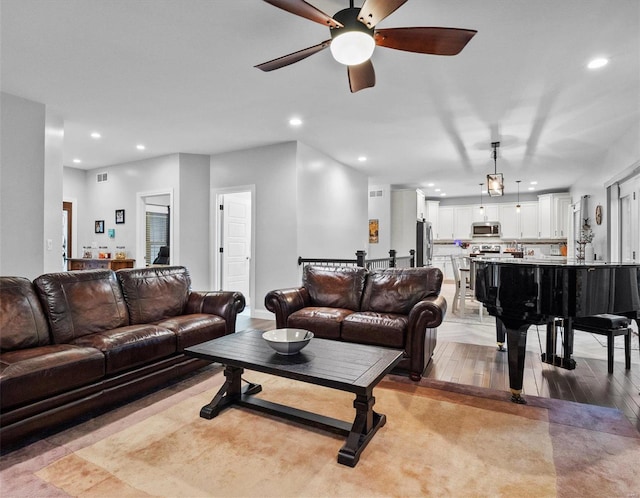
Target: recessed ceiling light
(95, 134)
(362, 159)
(430, 184)
(295, 121)
(77, 161)
(597, 63)
(532, 188)
(443, 194)
(534, 183)
(140, 147)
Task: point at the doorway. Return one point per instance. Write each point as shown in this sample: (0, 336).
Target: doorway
(630, 220)
(67, 233)
(234, 234)
(154, 226)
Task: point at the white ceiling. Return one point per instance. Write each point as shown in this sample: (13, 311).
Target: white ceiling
(178, 76)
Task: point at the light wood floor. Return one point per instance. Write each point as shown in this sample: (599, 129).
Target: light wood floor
(466, 353)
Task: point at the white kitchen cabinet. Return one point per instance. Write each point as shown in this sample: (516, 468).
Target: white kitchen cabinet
(462, 219)
(519, 225)
(553, 213)
(509, 221)
(421, 212)
(489, 213)
(561, 204)
(528, 220)
(545, 205)
(432, 210)
(445, 223)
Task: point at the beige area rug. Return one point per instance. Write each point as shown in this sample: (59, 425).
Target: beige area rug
(440, 440)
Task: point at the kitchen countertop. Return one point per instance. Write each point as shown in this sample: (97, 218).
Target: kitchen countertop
(557, 260)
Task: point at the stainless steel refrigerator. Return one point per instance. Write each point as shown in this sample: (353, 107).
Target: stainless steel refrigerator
(424, 243)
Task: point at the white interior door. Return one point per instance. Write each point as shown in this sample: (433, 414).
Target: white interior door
(630, 220)
(236, 243)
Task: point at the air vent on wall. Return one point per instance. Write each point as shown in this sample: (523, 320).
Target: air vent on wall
(102, 177)
(375, 193)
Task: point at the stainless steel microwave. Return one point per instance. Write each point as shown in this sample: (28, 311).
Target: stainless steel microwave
(485, 229)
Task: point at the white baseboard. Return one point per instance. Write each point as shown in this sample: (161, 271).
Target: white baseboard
(262, 314)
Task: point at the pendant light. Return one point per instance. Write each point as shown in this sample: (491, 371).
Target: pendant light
(495, 182)
(481, 206)
(518, 205)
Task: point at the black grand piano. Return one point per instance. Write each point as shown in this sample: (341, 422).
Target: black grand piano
(520, 293)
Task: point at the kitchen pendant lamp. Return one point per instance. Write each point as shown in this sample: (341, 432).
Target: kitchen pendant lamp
(518, 205)
(495, 182)
(481, 206)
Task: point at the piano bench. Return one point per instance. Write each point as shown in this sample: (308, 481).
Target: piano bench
(611, 326)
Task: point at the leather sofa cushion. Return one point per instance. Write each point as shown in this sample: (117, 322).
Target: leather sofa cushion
(79, 303)
(29, 375)
(381, 329)
(323, 322)
(397, 290)
(194, 329)
(22, 320)
(127, 347)
(155, 293)
(334, 287)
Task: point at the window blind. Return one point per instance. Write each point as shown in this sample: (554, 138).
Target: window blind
(157, 234)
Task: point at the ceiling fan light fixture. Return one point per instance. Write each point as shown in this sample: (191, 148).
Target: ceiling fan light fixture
(352, 47)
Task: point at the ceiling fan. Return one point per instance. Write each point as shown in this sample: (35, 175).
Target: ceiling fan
(354, 37)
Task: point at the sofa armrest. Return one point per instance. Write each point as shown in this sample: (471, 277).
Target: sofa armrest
(428, 313)
(225, 304)
(424, 317)
(283, 302)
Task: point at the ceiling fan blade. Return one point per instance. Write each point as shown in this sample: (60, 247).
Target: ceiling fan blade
(374, 11)
(285, 60)
(308, 11)
(361, 76)
(436, 41)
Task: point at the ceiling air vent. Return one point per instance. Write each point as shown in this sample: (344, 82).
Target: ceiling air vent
(375, 193)
(102, 177)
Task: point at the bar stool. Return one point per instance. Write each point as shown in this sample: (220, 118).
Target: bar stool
(611, 326)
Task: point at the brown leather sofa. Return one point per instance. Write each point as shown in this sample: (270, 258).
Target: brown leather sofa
(75, 341)
(397, 307)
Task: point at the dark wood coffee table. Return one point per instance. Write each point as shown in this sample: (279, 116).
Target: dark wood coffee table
(345, 366)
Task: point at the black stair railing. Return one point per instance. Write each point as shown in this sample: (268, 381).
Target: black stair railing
(393, 261)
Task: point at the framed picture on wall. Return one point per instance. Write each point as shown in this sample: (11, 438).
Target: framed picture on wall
(373, 231)
(119, 216)
(99, 226)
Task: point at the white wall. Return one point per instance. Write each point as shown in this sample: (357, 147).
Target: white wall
(192, 227)
(306, 204)
(73, 190)
(22, 184)
(332, 218)
(403, 221)
(620, 156)
(53, 175)
(380, 209)
(119, 192)
(272, 169)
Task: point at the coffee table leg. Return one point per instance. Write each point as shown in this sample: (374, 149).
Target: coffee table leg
(229, 393)
(365, 425)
